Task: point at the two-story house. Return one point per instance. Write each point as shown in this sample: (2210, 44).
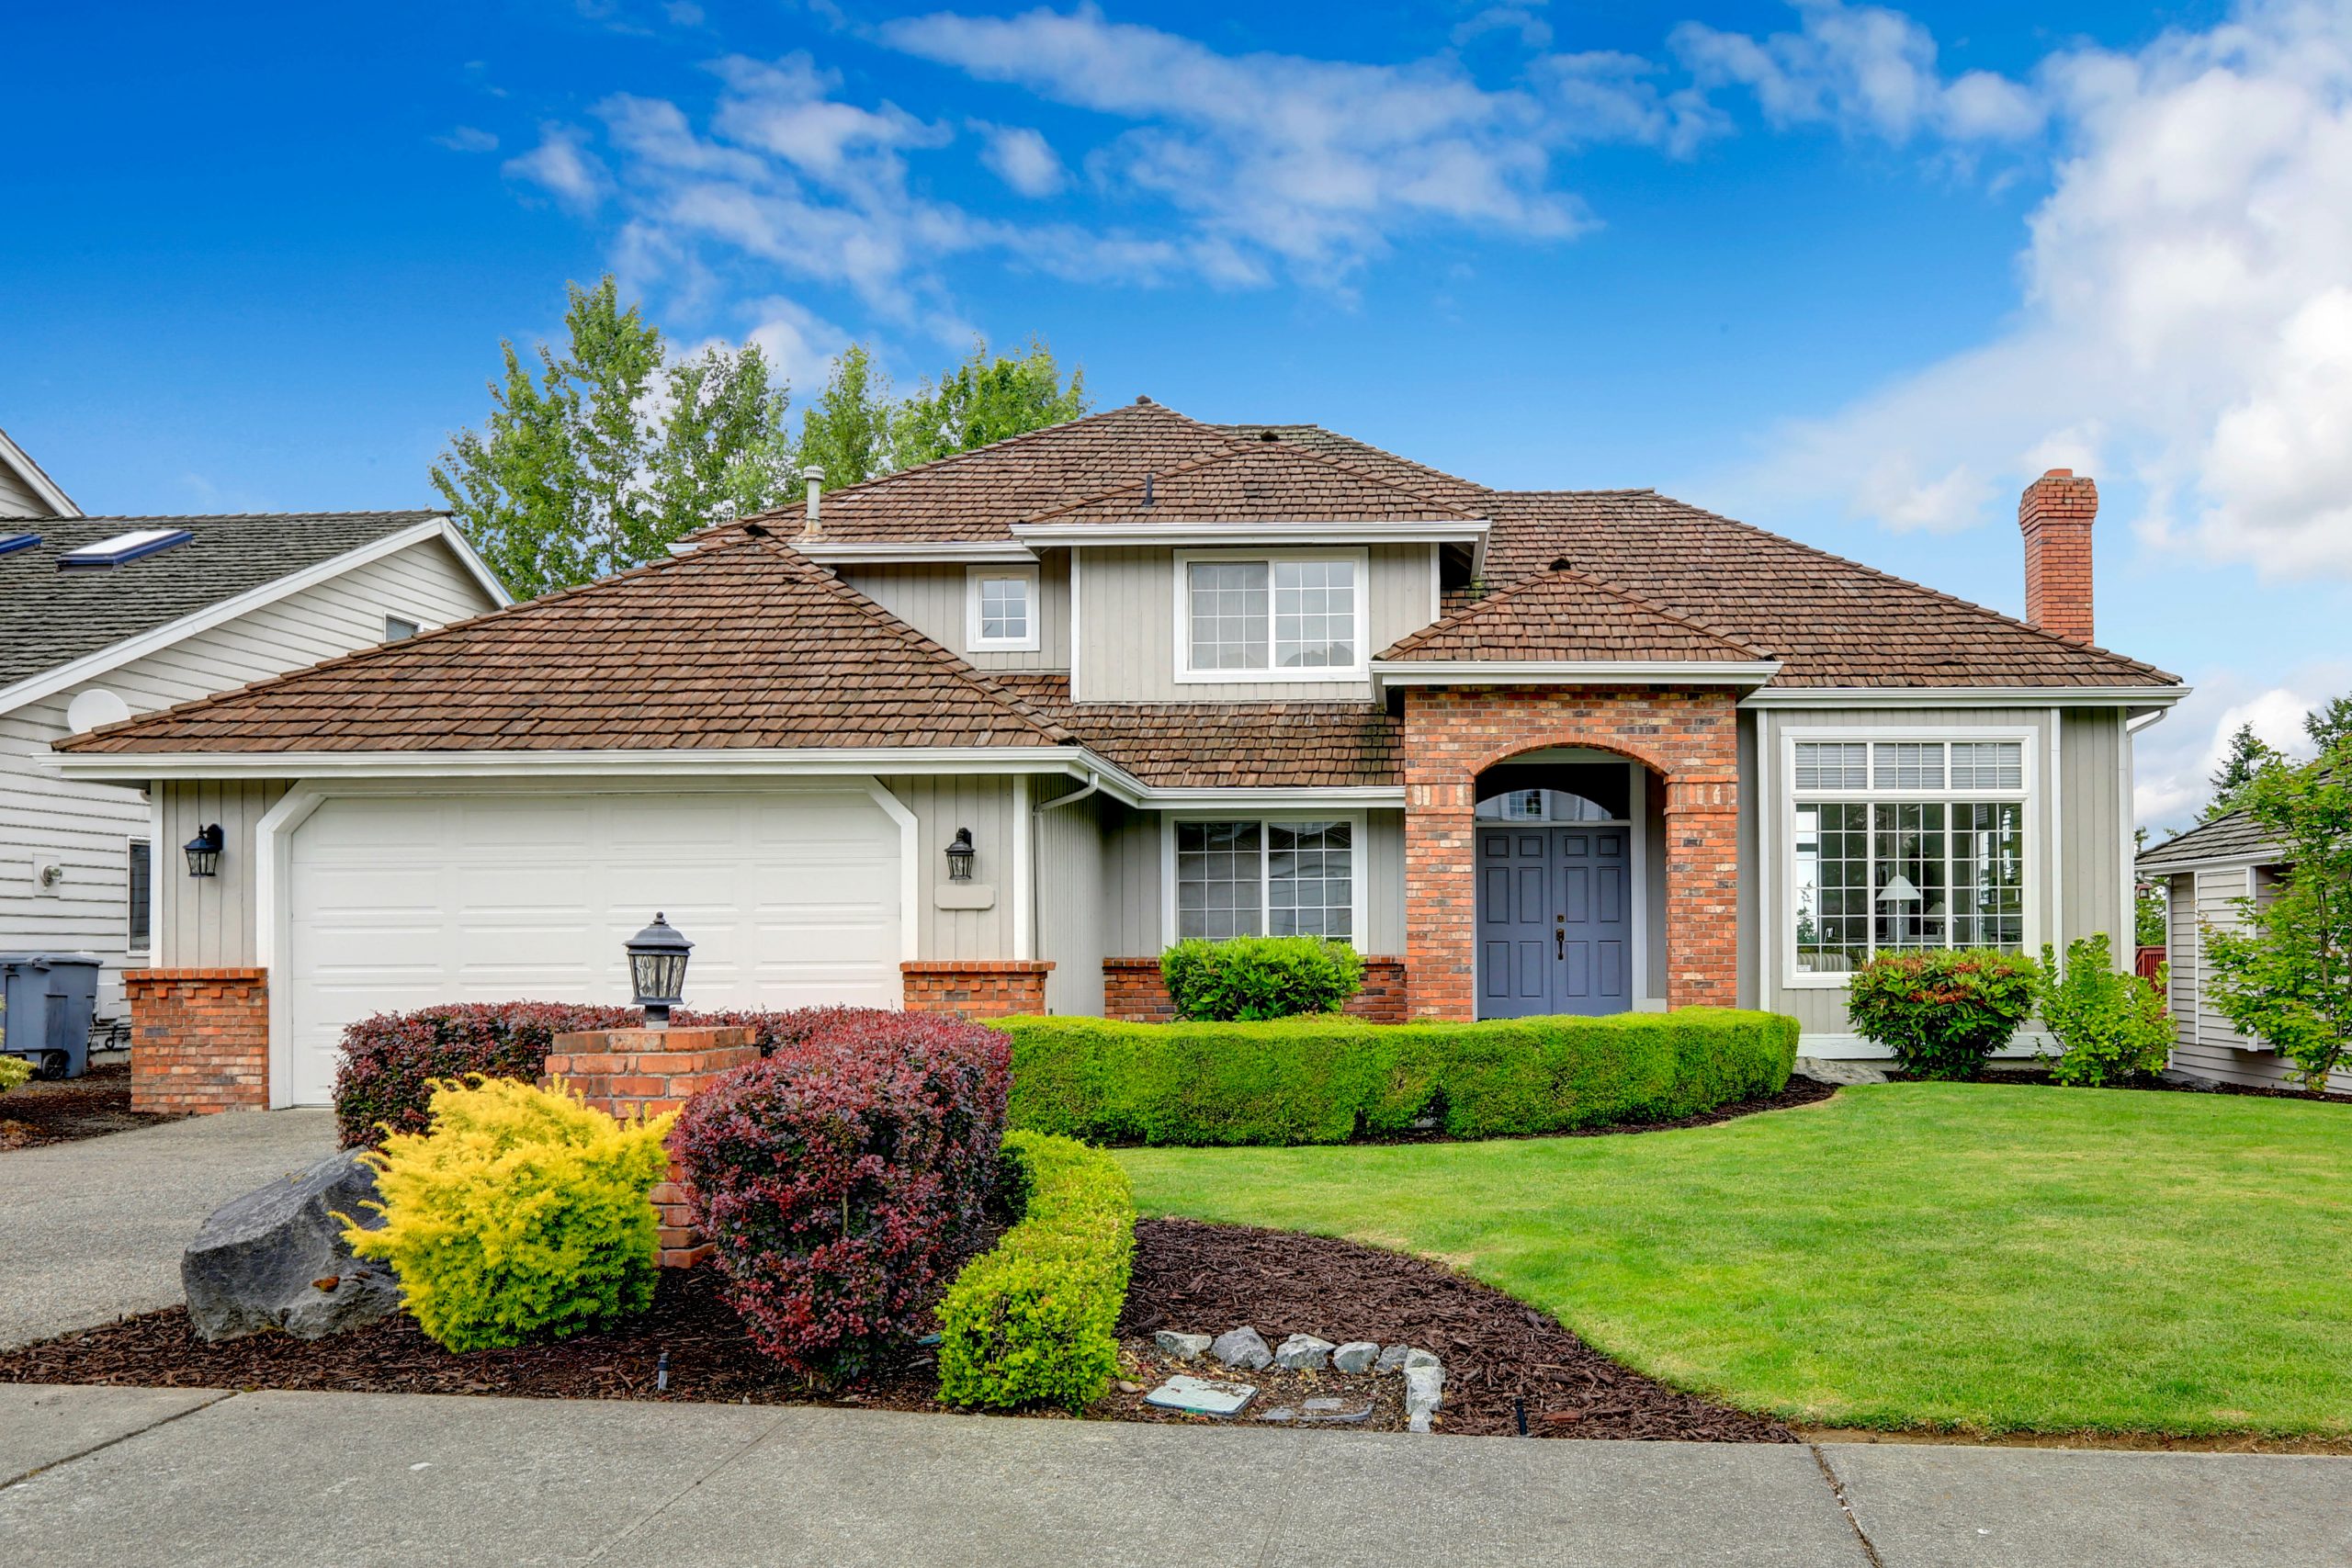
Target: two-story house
(1549, 752)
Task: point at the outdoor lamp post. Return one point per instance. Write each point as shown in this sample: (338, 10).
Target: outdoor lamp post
(204, 852)
(657, 970)
(959, 856)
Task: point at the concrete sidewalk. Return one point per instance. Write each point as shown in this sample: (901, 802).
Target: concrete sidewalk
(124, 1477)
(92, 1230)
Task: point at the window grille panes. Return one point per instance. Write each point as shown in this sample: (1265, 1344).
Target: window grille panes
(1833, 911)
(1909, 764)
(1910, 892)
(1832, 765)
(1541, 805)
(1310, 882)
(1004, 609)
(1315, 615)
(1988, 874)
(1220, 871)
(1987, 765)
(1230, 614)
(142, 878)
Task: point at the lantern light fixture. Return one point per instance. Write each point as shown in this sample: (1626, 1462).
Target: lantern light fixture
(657, 970)
(959, 856)
(204, 852)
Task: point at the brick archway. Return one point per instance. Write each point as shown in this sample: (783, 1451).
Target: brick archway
(1452, 734)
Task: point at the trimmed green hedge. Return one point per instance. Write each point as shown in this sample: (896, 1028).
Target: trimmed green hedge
(1325, 1080)
(1036, 1319)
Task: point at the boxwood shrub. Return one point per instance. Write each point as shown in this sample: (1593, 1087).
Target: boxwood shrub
(1036, 1320)
(1325, 1080)
(1259, 976)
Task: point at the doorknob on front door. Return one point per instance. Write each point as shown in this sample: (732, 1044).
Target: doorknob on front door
(1560, 943)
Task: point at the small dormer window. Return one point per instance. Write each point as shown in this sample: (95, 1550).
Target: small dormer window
(1001, 613)
(399, 628)
(122, 550)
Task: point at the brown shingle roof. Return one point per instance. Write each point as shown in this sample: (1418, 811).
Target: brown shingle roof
(743, 643)
(1567, 617)
(1294, 745)
(1263, 482)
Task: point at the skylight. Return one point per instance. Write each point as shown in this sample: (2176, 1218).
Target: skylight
(121, 547)
(11, 543)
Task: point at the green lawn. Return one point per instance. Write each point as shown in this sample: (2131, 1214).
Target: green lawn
(1998, 1259)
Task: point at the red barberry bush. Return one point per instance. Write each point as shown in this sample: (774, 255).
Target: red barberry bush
(841, 1176)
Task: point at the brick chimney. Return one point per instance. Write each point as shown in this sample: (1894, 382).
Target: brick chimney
(2055, 515)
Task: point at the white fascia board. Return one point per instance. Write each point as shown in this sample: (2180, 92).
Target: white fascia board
(114, 656)
(1345, 794)
(854, 554)
(2245, 860)
(58, 501)
(486, 764)
(1320, 532)
(1965, 697)
(1520, 672)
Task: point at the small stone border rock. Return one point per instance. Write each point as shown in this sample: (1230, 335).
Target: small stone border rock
(1244, 1349)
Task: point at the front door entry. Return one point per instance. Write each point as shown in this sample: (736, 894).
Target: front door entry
(1555, 920)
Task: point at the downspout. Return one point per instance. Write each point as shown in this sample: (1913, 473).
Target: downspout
(1038, 813)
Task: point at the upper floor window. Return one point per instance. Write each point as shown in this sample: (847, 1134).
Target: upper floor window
(399, 628)
(1271, 618)
(1002, 609)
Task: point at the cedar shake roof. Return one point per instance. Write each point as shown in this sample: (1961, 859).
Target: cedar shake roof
(1295, 745)
(743, 643)
(1259, 481)
(1564, 616)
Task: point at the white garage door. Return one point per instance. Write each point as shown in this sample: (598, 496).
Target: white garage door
(789, 898)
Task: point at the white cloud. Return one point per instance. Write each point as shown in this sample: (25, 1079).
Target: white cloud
(1525, 22)
(563, 167)
(2175, 758)
(1857, 67)
(1022, 159)
(467, 139)
(798, 343)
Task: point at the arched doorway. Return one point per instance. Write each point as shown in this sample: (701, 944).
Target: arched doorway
(1560, 877)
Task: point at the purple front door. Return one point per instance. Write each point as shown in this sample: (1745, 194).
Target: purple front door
(1555, 920)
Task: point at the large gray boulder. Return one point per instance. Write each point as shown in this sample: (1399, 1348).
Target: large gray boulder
(276, 1258)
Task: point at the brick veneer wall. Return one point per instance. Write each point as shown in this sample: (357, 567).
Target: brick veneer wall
(1454, 733)
(1133, 990)
(2056, 513)
(975, 987)
(634, 1072)
(199, 1039)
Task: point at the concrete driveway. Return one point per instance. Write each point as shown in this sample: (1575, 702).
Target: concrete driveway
(120, 1478)
(91, 1231)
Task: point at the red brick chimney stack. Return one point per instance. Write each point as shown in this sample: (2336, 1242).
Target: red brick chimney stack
(2055, 515)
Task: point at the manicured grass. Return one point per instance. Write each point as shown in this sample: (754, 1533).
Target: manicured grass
(1945, 1255)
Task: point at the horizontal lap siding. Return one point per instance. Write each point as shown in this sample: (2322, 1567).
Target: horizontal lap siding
(2206, 1043)
(85, 830)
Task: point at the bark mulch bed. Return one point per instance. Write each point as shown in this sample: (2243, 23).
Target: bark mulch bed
(2039, 1077)
(1190, 1276)
(98, 1102)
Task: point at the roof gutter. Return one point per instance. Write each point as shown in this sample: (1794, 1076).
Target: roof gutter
(1318, 531)
(1386, 674)
(1966, 696)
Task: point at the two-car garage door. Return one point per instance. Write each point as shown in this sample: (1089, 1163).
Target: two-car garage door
(791, 898)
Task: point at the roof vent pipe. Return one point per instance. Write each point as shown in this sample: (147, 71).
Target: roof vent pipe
(1147, 489)
(814, 477)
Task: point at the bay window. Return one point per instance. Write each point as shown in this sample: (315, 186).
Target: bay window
(1250, 618)
(1902, 844)
(1265, 877)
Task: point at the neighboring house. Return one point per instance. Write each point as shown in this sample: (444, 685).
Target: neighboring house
(2206, 871)
(104, 617)
(1530, 751)
(25, 491)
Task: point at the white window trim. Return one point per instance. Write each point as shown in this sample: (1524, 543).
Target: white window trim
(973, 641)
(1780, 923)
(1361, 670)
(416, 628)
(138, 949)
(1361, 850)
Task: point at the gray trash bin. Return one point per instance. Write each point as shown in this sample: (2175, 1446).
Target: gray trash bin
(46, 999)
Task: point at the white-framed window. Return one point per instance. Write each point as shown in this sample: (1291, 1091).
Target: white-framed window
(1909, 843)
(1244, 615)
(399, 628)
(1286, 874)
(1000, 609)
(139, 876)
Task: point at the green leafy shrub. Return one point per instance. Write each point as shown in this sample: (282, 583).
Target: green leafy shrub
(1261, 977)
(523, 1212)
(1942, 1011)
(1325, 1080)
(1036, 1320)
(2114, 1026)
(14, 1070)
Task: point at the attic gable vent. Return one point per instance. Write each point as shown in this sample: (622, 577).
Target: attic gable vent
(122, 547)
(11, 543)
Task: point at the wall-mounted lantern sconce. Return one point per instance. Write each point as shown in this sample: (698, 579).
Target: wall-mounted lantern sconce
(657, 970)
(204, 852)
(959, 856)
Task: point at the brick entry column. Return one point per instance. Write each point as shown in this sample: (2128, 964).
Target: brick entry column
(199, 1039)
(624, 1072)
(1452, 734)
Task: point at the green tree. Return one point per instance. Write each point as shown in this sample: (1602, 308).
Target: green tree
(2247, 753)
(847, 430)
(988, 398)
(2285, 976)
(2329, 724)
(605, 452)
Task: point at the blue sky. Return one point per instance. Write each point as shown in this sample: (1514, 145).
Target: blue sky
(1851, 272)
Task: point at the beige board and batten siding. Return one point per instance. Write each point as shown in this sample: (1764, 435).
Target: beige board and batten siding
(934, 598)
(1126, 613)
(989, 805)
(86, 830)
(1072, 894)
(2078, 867)
(1134, 905)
